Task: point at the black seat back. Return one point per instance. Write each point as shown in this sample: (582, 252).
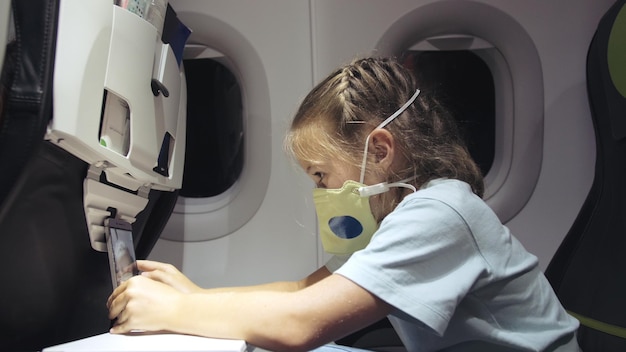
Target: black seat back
(588, 272)
(54, 285)
(27, 81)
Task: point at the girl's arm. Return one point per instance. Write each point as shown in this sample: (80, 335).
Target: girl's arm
(170, 275)
(277, 320)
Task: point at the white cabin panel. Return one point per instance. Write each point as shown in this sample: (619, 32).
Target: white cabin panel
(266, 230)
(559, 34)
(279, 49)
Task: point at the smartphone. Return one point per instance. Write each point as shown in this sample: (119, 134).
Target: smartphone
(122, 259)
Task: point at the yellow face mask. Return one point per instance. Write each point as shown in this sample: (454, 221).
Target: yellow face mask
(345, 220)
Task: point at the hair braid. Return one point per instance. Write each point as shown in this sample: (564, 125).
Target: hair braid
(338, 114)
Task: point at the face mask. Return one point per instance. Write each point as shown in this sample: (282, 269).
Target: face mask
(345, 220)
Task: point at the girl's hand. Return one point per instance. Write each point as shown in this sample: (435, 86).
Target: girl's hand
(143, 304)
(167, 274)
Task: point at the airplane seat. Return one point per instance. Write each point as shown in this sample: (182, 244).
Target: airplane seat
(54, 284)
(587, 271)
(26, 101)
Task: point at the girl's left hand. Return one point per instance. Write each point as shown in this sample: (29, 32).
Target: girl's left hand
(141, 303)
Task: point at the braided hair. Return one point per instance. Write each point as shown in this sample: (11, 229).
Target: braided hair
(335, 118)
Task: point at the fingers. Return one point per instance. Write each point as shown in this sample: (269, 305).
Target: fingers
(157, 271)
(116, 293)
(119, 329)
(116, 305)
(122, 324)
(149, 265)
(142, 303)
(117, 301)
(158, 275)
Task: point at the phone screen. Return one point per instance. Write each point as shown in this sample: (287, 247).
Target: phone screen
(121, 251)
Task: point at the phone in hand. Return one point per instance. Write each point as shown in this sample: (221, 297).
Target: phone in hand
(121, 250)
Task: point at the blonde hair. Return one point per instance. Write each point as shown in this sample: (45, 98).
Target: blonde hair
(335, 118)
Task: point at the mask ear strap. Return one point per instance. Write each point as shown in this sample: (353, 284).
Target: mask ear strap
(383, 124)
(367, 191)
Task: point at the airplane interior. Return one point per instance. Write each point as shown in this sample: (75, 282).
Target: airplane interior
(170, 116)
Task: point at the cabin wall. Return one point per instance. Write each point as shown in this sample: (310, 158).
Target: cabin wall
(300, 42)
(561, 35)
(279, 241)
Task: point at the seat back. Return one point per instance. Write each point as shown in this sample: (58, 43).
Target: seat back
(587, 271)
(54, 284)
(27, 97)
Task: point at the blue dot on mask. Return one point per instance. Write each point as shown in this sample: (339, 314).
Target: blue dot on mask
(345, 226)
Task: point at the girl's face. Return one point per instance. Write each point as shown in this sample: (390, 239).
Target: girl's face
(329, 175)
(333, 174)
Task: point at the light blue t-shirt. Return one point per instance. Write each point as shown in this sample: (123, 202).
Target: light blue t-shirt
(458, 280)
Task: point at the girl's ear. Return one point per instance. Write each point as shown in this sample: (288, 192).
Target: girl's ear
(382, 145)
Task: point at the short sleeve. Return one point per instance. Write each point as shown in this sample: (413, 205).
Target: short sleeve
(336, 262)
(423, 260)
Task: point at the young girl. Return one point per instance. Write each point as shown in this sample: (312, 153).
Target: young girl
(398, 199)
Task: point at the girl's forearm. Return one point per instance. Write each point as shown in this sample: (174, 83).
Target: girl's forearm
(281, 286)
(263, 318)
(293, 321)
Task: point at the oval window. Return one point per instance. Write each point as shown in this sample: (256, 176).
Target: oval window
(214, 150)
(463, 82)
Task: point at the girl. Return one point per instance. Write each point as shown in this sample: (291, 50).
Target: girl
(398, 200)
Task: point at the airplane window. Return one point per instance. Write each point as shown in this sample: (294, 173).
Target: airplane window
(214, 149)
(489, 68)
(463, 82)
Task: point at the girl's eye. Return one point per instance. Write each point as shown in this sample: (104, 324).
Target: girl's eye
(320, 176)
